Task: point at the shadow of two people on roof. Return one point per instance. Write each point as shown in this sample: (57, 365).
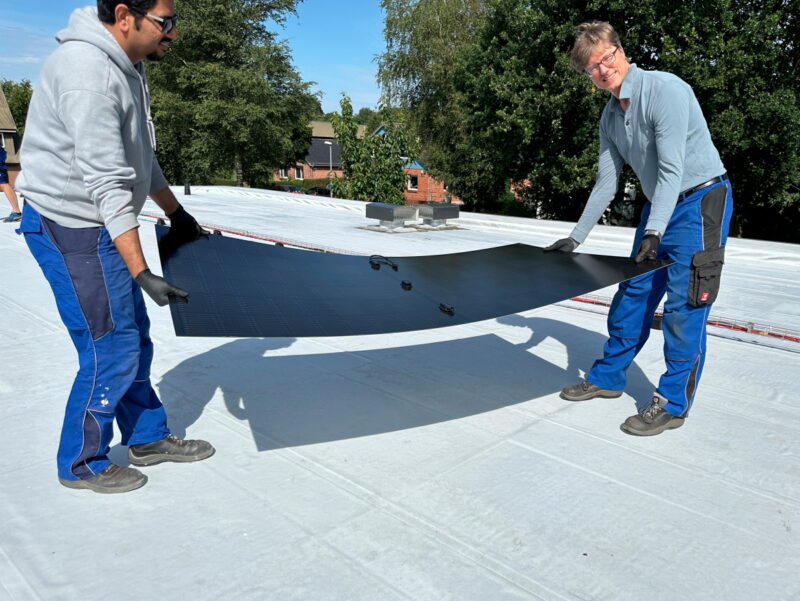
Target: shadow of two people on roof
(298, 399)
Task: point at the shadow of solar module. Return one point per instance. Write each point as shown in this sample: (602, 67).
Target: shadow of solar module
(240, 288)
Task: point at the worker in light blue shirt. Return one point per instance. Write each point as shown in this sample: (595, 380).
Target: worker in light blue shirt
(654, 123)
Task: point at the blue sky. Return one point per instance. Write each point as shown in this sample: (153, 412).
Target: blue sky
(333, 42)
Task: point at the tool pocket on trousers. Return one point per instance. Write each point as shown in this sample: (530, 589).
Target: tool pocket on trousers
(705, 276)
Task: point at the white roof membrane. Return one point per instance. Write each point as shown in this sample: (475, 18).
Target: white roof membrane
(437, 464)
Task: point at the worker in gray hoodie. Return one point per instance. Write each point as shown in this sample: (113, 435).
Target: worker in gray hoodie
(88, 163)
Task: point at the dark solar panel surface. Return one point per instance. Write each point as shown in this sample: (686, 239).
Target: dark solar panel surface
(240, 288)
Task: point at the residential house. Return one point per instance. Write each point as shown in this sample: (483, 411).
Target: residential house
(9, 139)
(324, 160)
(421, 188)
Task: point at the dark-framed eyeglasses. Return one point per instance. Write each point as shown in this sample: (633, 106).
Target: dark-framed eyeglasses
(167, 23)
(606, 61)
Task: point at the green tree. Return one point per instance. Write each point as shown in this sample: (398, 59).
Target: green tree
(365, 115)
(226, 97)
(538, 118)
(18, 96)
(750, 94)
(520, 113)
(423, 44)
(531, 118)
(372, 165)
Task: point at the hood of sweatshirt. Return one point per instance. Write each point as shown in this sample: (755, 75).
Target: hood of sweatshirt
(86, 157)
(84, 26)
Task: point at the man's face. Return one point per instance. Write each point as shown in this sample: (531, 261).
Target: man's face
(608, 67)
(149, 39)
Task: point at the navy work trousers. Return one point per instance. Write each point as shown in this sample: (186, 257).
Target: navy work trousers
(104, 312)
(699, 223)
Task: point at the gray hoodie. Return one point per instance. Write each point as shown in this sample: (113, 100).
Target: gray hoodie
(88, 153)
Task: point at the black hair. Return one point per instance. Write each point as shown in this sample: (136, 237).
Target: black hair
(105, 8)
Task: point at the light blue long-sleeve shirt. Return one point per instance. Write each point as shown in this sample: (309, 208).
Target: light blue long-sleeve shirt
(663, 136)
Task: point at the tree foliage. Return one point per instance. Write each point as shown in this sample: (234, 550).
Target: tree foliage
(534, 119)
(373, 165)
(516, 111)
(18, 96)
(226, 96)
(424, 41)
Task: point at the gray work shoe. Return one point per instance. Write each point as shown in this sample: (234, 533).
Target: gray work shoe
(169, 449)
(652, 420)
(586, 390)
(113, 479)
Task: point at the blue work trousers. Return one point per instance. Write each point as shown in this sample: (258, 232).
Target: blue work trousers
(104, 312)
(699, 223)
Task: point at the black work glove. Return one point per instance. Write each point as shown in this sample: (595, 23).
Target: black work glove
(184, 228)
(565, 245)
(648, 248)
(160, 290)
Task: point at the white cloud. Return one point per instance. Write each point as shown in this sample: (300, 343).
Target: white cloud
(21, 60)
(22, 51)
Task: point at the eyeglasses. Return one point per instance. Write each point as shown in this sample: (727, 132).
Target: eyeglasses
(167, 23)
(606, 61)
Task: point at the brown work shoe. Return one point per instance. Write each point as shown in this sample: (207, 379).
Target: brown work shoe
(169, 449)
(113, 479)
(586, 390)
(652, 420)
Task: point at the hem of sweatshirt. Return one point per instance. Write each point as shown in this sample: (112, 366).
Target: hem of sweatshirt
(64, 220)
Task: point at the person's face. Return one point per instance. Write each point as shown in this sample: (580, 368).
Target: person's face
(149, 39)
(607, 66)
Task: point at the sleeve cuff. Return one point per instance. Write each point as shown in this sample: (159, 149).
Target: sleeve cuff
(578, 235)
(658, 226)
(121, 224)
(157, 180)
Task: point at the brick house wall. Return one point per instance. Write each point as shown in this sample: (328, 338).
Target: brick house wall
(309, 172)
(427, 189)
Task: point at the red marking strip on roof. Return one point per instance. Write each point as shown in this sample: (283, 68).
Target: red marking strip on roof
(717, 322)
(249, 235)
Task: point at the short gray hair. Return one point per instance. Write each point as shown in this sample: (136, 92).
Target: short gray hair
(587, 37)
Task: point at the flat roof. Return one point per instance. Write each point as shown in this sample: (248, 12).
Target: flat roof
(437, 464)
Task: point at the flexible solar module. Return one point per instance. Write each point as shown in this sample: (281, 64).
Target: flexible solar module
(240, 288)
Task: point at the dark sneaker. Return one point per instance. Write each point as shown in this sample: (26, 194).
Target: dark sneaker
(113, 479)
(169, 449)
(652, 420)
(13, 218)
(586, 390)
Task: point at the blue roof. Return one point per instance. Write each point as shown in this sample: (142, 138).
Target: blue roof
(414, 164)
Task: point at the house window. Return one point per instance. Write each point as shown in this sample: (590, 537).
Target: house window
(412, 182)
(298, 172)
(282, 174)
